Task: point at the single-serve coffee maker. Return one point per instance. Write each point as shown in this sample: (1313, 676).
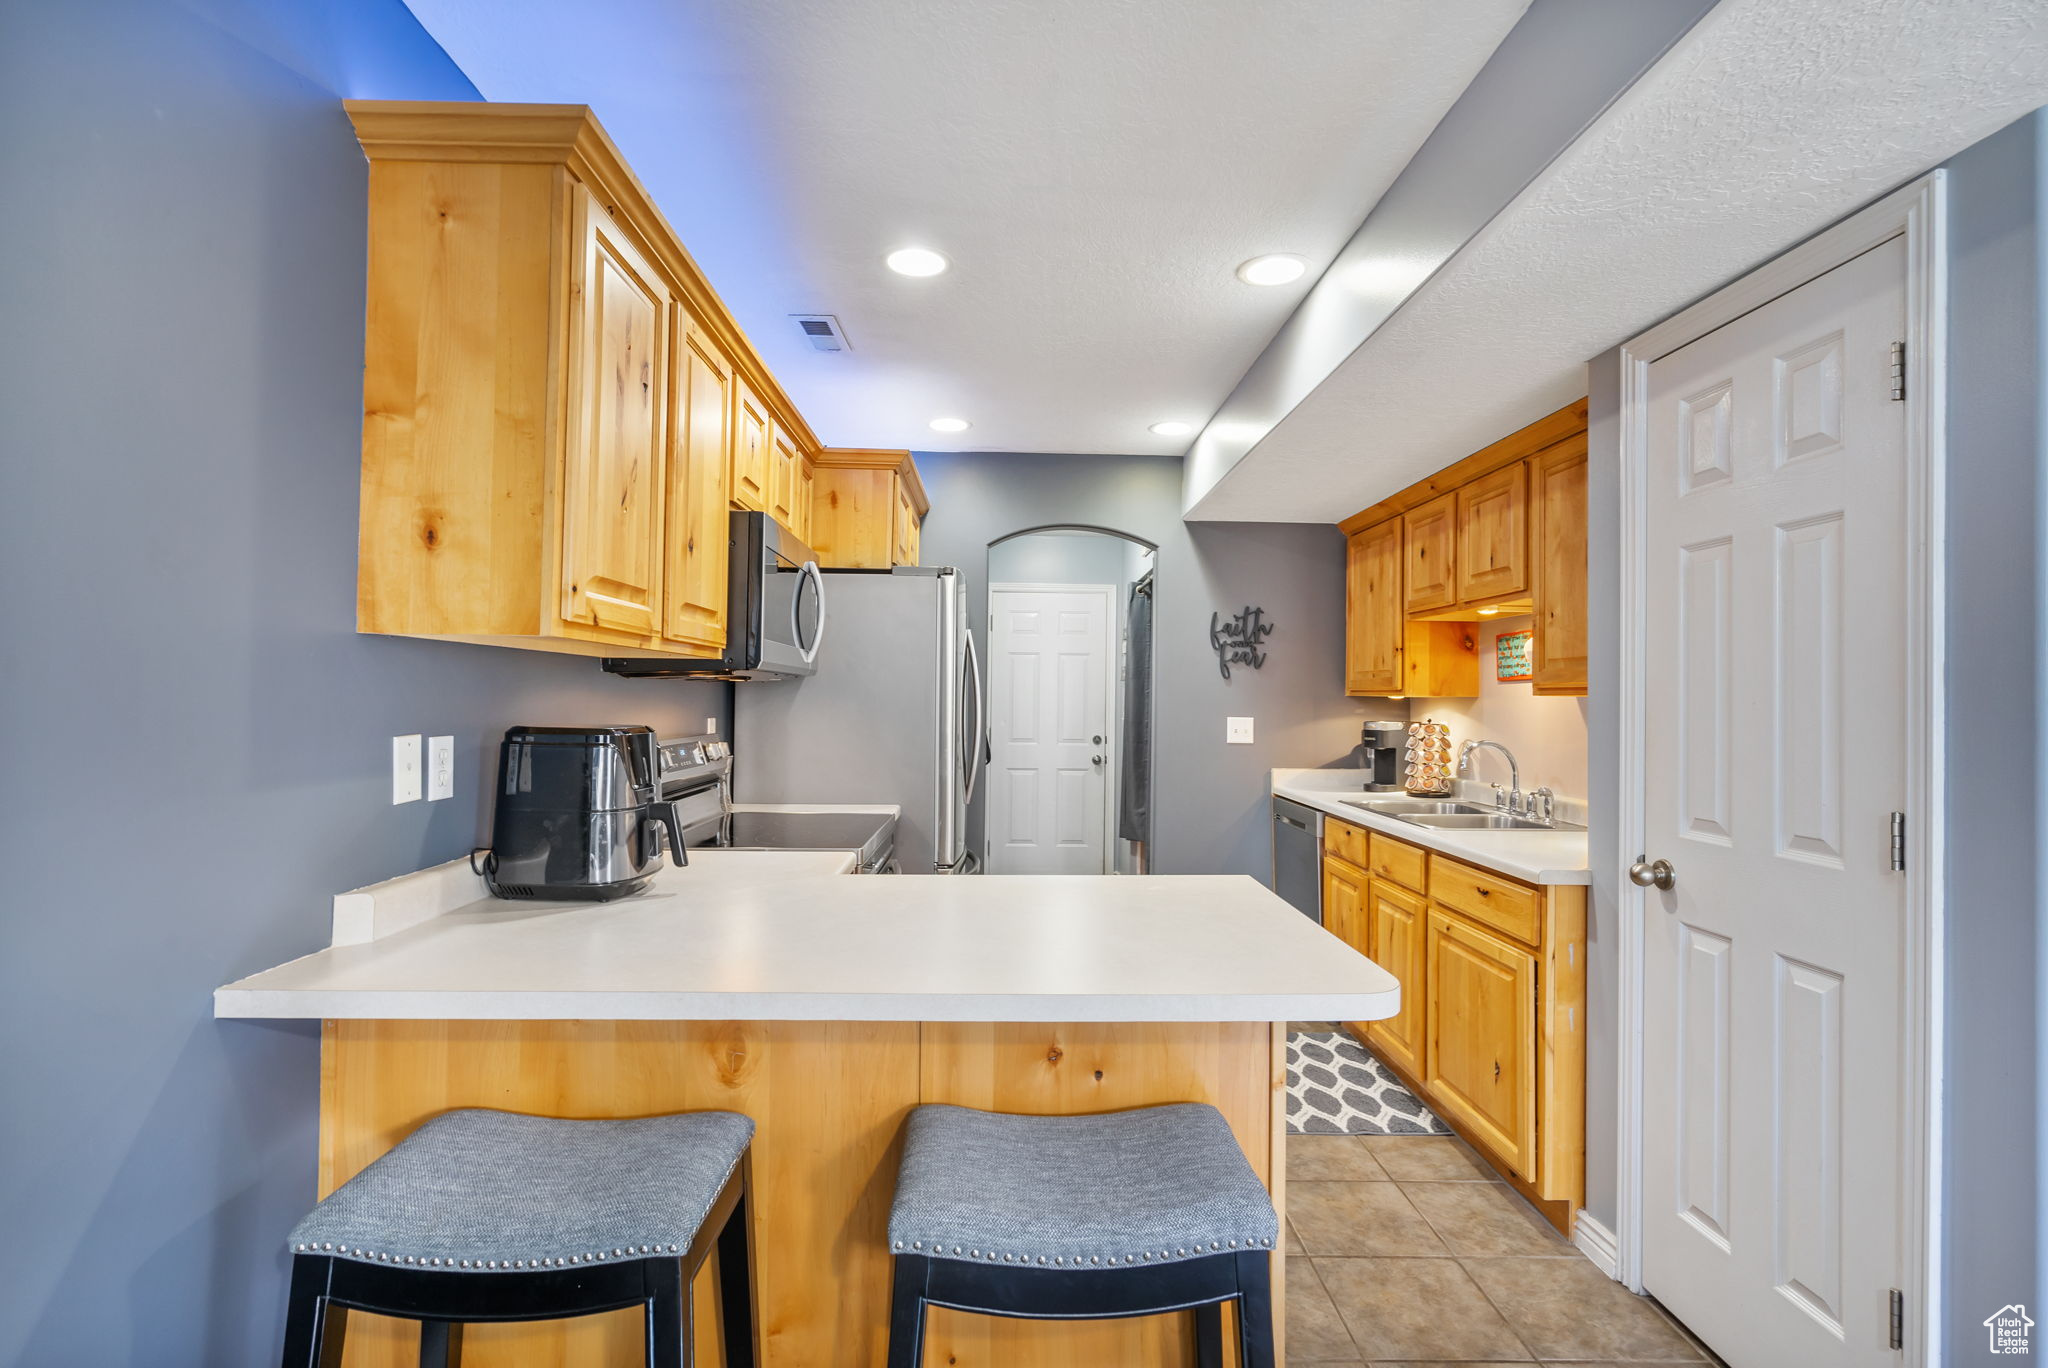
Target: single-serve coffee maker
(579, 814)
(1383, 745)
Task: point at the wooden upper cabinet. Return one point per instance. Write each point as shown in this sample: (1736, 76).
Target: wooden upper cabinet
(1480, 1037)
(612, 480)
(1493, 535)
(553, 396)
(699, 559)
(806, 499)
(751, 452)
(1398, 921)
(1429, 570)
(785, 467)
(1557, 562)
(1374, 620)
(904, 541)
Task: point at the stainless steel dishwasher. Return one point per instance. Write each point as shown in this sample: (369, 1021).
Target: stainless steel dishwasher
(1298, 856)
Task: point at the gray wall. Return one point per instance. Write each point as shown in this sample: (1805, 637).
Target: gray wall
(1997, 955)
(1061, 558)
(1211, 809)
(196, 741)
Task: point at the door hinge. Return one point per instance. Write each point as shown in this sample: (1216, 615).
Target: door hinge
(1898, 842)
(1898, 1338)
(1898, 370)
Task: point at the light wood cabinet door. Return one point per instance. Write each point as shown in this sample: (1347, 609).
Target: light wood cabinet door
(1344, 889)
(1398, 923)
(700, 463)
(1480, 1037)
(1374, 625)
(612, 486)
(1493, 535)
(785, 466)
(751, 449)
(905, 539)
(1557, 563)
(1428, 562)
(806, 500)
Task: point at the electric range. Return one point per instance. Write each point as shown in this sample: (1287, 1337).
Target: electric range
(696, 775)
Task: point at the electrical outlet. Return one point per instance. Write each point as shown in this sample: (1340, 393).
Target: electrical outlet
(1237, 731)
(711, 726)
(405, 768)
(440, 767)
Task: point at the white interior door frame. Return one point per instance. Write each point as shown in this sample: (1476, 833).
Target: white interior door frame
(1915, 211)
(1112, 696)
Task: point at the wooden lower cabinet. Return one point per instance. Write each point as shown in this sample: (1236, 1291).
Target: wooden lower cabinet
(1491, 1031)
(1395, 927)
(1480, 1024)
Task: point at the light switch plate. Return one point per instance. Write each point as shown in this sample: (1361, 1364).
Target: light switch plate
(1237, 731)
(405, 768)
(711, 726)
(440, 767)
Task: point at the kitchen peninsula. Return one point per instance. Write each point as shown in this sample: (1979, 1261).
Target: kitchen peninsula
(825, 1007)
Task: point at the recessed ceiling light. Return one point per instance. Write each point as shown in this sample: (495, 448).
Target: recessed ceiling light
(916, 261)
(1173, 427)
(950, 425)
(1276, 269)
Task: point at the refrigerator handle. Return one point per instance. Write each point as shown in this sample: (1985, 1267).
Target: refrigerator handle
(973, 741)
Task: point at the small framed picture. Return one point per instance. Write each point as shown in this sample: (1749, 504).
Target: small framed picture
(1511, 657)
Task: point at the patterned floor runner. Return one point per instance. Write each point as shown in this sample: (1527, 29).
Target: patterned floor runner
(1335, 1088)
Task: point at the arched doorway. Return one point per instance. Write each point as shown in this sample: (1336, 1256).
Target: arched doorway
(1070, 701)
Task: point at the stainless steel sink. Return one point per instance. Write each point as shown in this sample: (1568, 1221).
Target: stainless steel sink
(1416, 807)
(1474, 821)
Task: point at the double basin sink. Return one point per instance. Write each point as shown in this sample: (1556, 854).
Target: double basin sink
(1451, 814)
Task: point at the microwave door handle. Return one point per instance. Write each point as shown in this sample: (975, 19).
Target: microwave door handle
(973, 741)
(816, 577)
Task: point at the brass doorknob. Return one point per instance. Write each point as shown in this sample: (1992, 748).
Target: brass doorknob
(1653, 874)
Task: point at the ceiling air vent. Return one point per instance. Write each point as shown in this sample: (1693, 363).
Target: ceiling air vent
(823, 332)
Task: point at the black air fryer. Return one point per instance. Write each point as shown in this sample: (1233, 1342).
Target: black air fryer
(579, 814)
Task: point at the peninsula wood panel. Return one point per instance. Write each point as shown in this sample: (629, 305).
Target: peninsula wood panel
(1493, 536)
(1557, 567)
(1373, 620)
(828, 1100)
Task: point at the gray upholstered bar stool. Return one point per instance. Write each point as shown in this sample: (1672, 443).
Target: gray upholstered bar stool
(1082, 1218)
(494, 1216)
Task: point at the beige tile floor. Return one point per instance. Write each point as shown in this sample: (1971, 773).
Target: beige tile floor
(1410, 1250)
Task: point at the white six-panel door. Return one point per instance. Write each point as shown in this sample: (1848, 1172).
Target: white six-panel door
(1052, 668)
(1774, 735)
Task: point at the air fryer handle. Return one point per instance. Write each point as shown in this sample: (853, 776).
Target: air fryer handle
(672, 821)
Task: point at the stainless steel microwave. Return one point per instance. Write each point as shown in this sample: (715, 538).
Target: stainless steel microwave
(775, 612)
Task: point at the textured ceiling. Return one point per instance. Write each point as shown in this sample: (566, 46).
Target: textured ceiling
(1095, 170)
(1768, 121)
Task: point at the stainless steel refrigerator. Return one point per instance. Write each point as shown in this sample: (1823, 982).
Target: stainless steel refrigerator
(894, 714)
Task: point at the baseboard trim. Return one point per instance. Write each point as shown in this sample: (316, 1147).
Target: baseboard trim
(1596, 1242)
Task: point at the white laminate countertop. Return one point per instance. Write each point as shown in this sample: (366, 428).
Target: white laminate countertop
(1540, 857)
(774, 935)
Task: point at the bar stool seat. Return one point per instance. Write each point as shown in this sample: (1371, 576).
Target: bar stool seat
(1120, 1214)
(488, 1215)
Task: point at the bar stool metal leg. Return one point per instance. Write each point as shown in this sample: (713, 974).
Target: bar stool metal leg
(1209, 1335)
(735, 1279)
(907, 1311)
(670, 1329)
(440, 1344)
(1255, 1311)
(314, 1328)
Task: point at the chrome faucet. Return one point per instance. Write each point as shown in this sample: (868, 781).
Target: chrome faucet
(1511, 800)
